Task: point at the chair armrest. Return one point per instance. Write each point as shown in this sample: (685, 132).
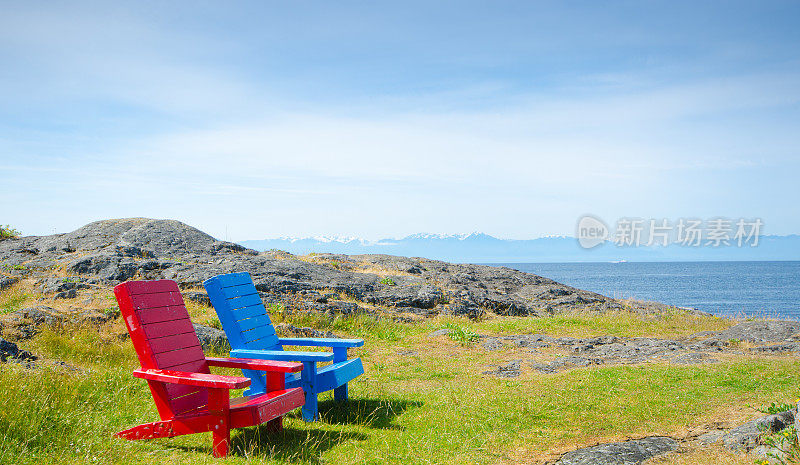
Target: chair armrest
(285, 355)
(253, 364)
(193, 379)
(320, 342)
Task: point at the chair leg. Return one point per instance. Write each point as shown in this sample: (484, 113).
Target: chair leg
(275, 381)
(220, 442)
(219, 407)
(310, 408)
(309, 377)
(340, 393)
(340, 355)
(275, 425)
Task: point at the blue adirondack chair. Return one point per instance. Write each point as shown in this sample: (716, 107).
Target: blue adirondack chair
(251, 335)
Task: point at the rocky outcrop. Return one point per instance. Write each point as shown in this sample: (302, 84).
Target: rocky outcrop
(696, 348)
(111, 251)
(6, 282)
(10, 352)
(763, 438)
(212, 339)
(746, 436)
(25, 323)
(620, 453)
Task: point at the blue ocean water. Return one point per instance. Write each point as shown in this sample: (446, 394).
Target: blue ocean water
(769, 289)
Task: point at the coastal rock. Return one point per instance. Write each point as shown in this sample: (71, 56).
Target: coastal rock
(302, 331)
(197, 297)
(778, 348)
(64, 287)
(560, 363)
(212, 338)
(465, 308)
(602, 350)
(712, 437)
(761, 331)
(746, 436)
(6, 282)
(10, 352)
(112, 251)
(440, 332)
(620, 453)
(509, 370)
(25, 323)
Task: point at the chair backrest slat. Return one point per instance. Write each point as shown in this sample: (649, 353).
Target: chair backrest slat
(241, 312)
(164, 338)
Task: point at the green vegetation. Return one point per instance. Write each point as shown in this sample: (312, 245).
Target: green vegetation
(388, 282)
(421, 400)
(776, 407)
(622, 324)
(786, 442)
(13, 298)
(7, 232)
(461, 335)
(14, 267)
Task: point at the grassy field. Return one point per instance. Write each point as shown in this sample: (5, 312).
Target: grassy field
(422, 399)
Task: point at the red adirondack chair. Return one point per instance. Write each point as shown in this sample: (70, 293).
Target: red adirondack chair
(188, 397)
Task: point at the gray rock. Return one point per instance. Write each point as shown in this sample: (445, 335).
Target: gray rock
(531, 341)
(212, 338)
(440, 332)
(573, 360)
(6, 282)
(778, 348)
(746, 436)
(620, 453)
(492, 343)
(67, 294)
(302, 331)
(562, 363)
(340, 307)
(772, 455)
(509, 370)
(112, 251)
(465, 308)
(197, 297)
(760, 331)
(424, 296)
(25, 323)
(543, 367)
(711, 437)
(10, 352)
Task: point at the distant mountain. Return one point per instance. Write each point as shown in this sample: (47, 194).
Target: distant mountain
(482, 248)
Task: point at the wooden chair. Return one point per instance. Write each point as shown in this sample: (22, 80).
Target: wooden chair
(251, 334)
(188, 397)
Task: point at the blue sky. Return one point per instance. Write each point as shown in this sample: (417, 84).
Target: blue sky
(375, 119)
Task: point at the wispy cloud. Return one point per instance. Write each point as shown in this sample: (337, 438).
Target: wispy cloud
(338, 128)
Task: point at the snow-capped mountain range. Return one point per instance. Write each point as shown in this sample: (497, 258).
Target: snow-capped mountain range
(482, 248)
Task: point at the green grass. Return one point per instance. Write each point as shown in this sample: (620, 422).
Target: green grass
(623, 324)
(13, 298)
(421, 400)
(463, 336)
